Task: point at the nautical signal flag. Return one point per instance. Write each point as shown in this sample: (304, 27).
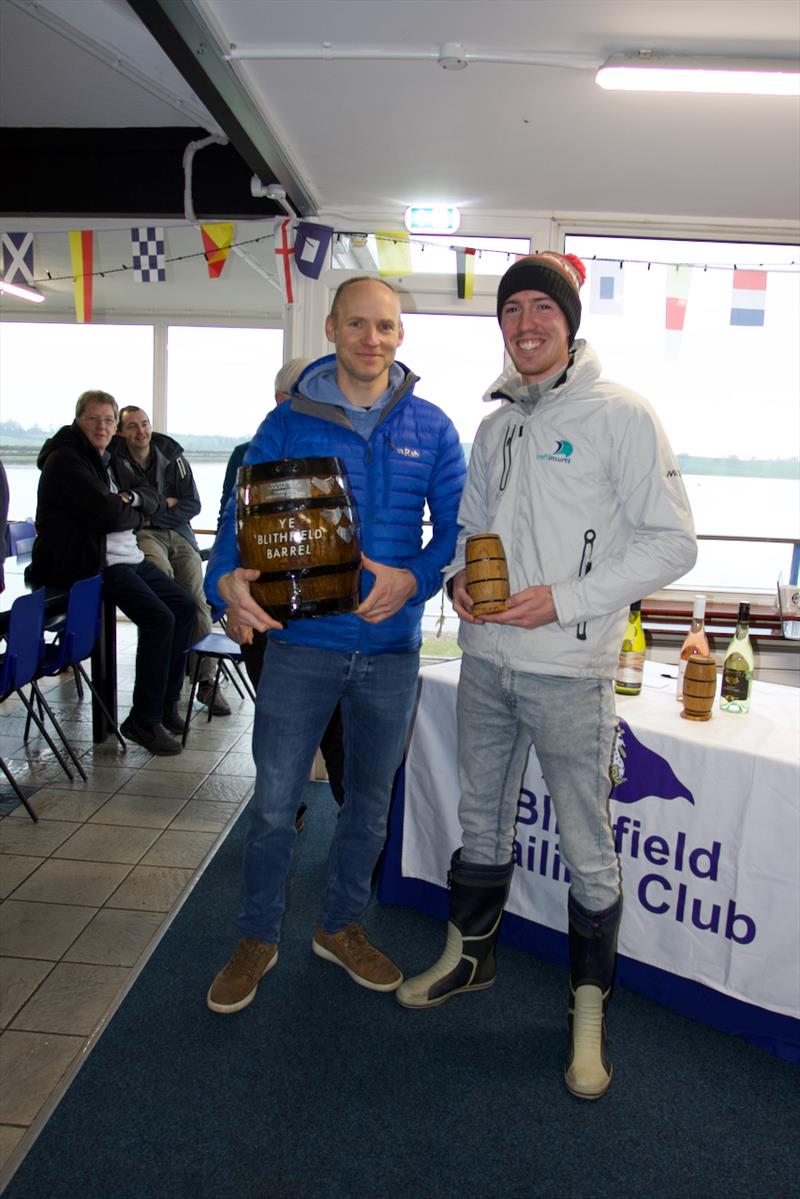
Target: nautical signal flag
(18, 258)
(679, 280)
(81, 250)
(606, 288)
(148, 254)
(465, 271)
(217, 242)
(311, 245)
(749, 297)
(394, 253)
(283, 253)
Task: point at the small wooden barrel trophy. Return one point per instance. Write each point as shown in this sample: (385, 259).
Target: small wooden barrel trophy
(487, 574)
(699, 687)
(296, 524)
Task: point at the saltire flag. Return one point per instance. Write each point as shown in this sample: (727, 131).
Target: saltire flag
(465, 271)
(749, 297)
(283, 252)
(148, 254)
(81, 249)
(311, 245)
(394, 253)
(679, 280)
(606, 288)
(217, 241)
(18, 258)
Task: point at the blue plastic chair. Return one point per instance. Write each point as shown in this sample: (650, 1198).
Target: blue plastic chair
(21, 535)
(77, 637)
(18, 668)
(224, 649)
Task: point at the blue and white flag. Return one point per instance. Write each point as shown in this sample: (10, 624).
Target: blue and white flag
(311, 248)
(148, 254)
(605, 288)
(18, 258)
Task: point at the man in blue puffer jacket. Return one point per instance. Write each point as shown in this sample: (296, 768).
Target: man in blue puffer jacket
(400, 452)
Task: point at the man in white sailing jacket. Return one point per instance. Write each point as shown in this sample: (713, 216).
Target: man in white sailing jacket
(576, 476)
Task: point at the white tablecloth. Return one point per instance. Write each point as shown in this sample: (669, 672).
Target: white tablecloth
(707, 825)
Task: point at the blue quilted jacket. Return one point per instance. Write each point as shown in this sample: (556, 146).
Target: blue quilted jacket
(412, 457)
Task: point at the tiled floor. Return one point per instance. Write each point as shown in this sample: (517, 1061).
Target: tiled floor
(85, 892)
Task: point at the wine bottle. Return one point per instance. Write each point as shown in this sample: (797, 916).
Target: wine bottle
(630, 668)
(737, 669)
(695, 641)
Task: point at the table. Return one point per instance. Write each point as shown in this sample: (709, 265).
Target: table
(104, 656)
(707, 825)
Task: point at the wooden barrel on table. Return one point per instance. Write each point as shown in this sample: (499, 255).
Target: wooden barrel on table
(699, 687)
(487, 573)
(296, 524)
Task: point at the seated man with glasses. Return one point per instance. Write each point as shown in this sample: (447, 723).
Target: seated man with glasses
(84, 524)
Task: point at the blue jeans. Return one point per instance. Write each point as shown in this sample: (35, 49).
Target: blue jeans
(297, 693)
(570, 723)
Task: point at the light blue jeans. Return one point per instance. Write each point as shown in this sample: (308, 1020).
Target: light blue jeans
(297, 693)
(570, 723)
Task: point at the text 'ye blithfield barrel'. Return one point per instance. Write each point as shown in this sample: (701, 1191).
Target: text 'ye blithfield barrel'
(296, 524)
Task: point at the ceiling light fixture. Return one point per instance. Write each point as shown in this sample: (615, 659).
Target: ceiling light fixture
(648, 72)
(432, 218)
(21, 293)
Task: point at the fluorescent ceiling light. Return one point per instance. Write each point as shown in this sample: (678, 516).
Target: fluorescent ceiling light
(22, 293)
(647, 72)
(432, 218)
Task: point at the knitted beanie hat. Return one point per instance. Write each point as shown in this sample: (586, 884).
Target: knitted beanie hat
(556, 275)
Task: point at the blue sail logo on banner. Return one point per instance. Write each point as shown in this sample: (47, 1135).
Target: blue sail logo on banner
(638, 772)
(311, 248)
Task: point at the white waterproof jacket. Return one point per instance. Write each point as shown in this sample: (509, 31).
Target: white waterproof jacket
(587, 497)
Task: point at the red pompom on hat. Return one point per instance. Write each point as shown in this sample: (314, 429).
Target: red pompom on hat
(556, 275)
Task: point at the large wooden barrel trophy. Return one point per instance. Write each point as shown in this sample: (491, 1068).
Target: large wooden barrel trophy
(296, 524)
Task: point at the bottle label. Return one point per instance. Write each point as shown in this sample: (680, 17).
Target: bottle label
(630, 669)
(735, 683)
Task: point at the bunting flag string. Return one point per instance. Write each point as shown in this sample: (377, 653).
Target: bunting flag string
(217, 241)
(81, 249)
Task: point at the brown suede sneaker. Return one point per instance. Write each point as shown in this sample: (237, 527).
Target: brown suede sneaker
(350, 949)
(235, 986)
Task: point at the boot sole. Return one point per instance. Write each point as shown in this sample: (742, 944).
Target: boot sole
(589, 1094)
(443, 998)
(321, 952)
(228, 1009)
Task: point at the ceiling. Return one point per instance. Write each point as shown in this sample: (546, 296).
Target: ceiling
(352, 115)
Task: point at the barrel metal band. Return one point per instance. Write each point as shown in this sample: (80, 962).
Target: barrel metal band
(296, 505)
(306, 572)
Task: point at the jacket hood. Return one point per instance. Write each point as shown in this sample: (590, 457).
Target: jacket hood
(159, 442)
(67, 436)
(318, 382)
(510, 385)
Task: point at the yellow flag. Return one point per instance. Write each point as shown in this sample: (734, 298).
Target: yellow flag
(394, 253)
(81, 250)
(217, 240)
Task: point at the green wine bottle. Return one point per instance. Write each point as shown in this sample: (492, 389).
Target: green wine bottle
(737, 669)
(630, 668)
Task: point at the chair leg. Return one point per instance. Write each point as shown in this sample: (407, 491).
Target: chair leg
(190, 705)
(46, 735)
(230, 678)
(78, 683)
(16, 788)
(43, 702)
(237, 666)
(112, 722)
(214, 691)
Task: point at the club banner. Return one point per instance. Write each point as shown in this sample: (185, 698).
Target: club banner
(705, 822)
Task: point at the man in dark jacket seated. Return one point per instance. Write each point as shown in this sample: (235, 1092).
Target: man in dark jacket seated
(86, 523)
(166, 538)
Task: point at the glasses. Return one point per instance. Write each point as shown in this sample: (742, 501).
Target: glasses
(111, 421)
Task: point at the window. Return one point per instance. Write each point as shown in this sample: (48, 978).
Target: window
(710, 344)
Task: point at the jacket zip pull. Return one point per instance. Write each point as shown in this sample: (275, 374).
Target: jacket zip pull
(509, 437)
(583, 570)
